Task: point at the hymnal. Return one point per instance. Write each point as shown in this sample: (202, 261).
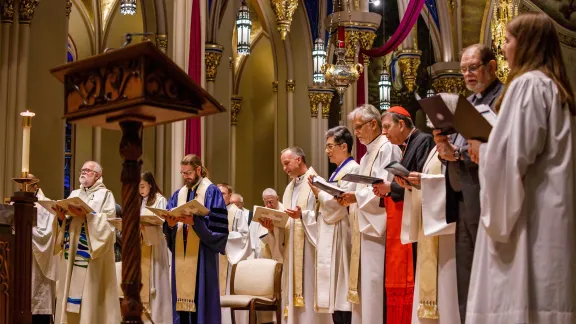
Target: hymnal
(327, 186)
(193, 207)
(65, 204)
(278, 218)
(356, 178)
(400, 171)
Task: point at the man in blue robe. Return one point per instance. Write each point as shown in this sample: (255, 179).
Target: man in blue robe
(195, 291)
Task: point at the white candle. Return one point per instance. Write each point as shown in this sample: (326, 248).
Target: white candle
(26, 125)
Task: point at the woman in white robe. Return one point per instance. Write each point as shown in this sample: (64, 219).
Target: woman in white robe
(525, 258)
(156, 294)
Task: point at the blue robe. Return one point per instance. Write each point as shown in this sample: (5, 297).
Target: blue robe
(213, 233)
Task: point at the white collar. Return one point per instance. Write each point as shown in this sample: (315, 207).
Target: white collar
(373, 145)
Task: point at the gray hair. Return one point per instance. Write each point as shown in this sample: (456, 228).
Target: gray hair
(269, 192)
(296, 151)
(366, 112)
(97, 167)
(239, 196)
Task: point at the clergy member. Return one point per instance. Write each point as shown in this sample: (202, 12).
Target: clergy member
(155, 293)
(523, 270)
(87, 290)
(333, 249)
(195, 242)
(368, 223)
(478, 66)
(238, 248)
(424, 221)
(238, 200)
(44, 271)
(299, 282)
(271, 199)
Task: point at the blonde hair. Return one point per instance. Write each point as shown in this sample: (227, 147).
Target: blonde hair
(194, 161)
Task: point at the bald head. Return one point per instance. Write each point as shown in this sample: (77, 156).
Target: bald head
(237, 200)
(270, 198)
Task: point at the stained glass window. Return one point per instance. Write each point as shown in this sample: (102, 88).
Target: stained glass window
(69, 133)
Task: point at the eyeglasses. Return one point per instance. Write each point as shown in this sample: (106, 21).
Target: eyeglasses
(359, 127)
(87, 171)
(186, 173)
(470, 68)
(330, 146)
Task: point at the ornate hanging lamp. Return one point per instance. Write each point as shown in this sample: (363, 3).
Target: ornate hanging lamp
(319, 59)
(341, 74)
(284, 10)
(128, 7)
(384, 87)
(430, 92)
(243, 28)
(504, 11)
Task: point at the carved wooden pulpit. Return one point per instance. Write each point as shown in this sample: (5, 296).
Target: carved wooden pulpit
(127, 89)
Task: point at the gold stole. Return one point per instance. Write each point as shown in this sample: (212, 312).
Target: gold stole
(427, 257)
(353, 295)
(223, 259)
(299, 236)
(187, 265)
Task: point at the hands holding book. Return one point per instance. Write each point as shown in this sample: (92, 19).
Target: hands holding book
(172, 221)
(381, 189)
(346, 199)
(61, 212)
(267, 223)
(315, 189)
(445, 149)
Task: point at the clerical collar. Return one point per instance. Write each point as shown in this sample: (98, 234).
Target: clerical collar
(373, 145)
(300, 179)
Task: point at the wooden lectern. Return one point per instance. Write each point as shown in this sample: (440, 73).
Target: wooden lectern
(127, 89)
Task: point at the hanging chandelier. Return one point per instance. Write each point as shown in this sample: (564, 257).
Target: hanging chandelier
(384, 87)
(341, 74)
(319, 59)
(128, 7)
(243, 28)
(504, 11)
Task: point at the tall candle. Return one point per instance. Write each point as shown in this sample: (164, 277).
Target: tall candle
(26, 125)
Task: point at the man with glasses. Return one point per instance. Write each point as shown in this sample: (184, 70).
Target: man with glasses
(87, 289)
(368, 223)
(478, 65)
(195, 241)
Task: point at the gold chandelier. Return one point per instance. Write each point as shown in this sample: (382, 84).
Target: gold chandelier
(504, 11)
(284, 10)
(341, 74)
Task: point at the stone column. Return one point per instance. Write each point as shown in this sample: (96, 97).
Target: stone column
(366, 39)
(235, 108)
(409, 60)
(212, 58)
(314, 129)
(276, 149)
(290, 87)
(320, 98)
(6, 124)
(325, 100)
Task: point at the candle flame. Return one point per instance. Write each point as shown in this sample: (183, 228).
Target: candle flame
(27, 113)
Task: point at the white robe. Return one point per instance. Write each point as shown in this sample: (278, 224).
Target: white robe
(44, 264)
(333, 251)
(100, 299)
(525, 257)
(372, 225)
(238, 248)
(275, 240)
(160, 291)
(433, 222)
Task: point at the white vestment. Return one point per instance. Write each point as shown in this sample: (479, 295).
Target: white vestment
(159, 288)
(238, 248)
(44, 264)
(100, 299)
(372, 226)
(525, 257)
(306, 314)
(426, 209)
(333, 250)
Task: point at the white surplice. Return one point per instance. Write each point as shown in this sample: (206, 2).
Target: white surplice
(44, 264)
(100, 298)
(372, 226)
(305, 314)
(432, 219)
(333, 250)
(238, 248)
(525, 257)
(160, 292)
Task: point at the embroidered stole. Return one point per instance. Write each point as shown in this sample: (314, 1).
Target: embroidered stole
(324, 259)
(353, 295)
(223, 259)
(427, 257)
(187, 256)
(299, 237)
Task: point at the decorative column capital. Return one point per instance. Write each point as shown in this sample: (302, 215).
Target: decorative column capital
(366, 40)
(7, 11)
(284, 10)
(68, 8)
(235, 108)
(320, 95)
(27, 8)
(449, 81)
(290, 85)
(409, 60)
(212, 56)
(351, 40)
(162, 42)
(275, 86)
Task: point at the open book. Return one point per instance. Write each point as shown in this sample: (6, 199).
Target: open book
(329, 187)
(278, 218)
(65, 204)
(146, 220)
(193, 207)
(356, 178)
(399, 170)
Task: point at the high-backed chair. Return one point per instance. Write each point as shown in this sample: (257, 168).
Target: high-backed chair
(255, 285)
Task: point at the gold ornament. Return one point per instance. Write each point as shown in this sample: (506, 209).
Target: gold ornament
(212, 57)
(290, 85)
(27, 8)
(409, 60)
(314, 101)
(504, 11)
(7, 11)
(341, 74)
(351, 39)
(68, 8)
(320, 95)
(235, 108)
(284, 10)
(449, 84)
(275, 86)
(366, 39)
(162, 42)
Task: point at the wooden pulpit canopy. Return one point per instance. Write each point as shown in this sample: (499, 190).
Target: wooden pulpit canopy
(137, 82)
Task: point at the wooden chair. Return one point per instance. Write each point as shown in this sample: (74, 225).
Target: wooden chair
(255, 285)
